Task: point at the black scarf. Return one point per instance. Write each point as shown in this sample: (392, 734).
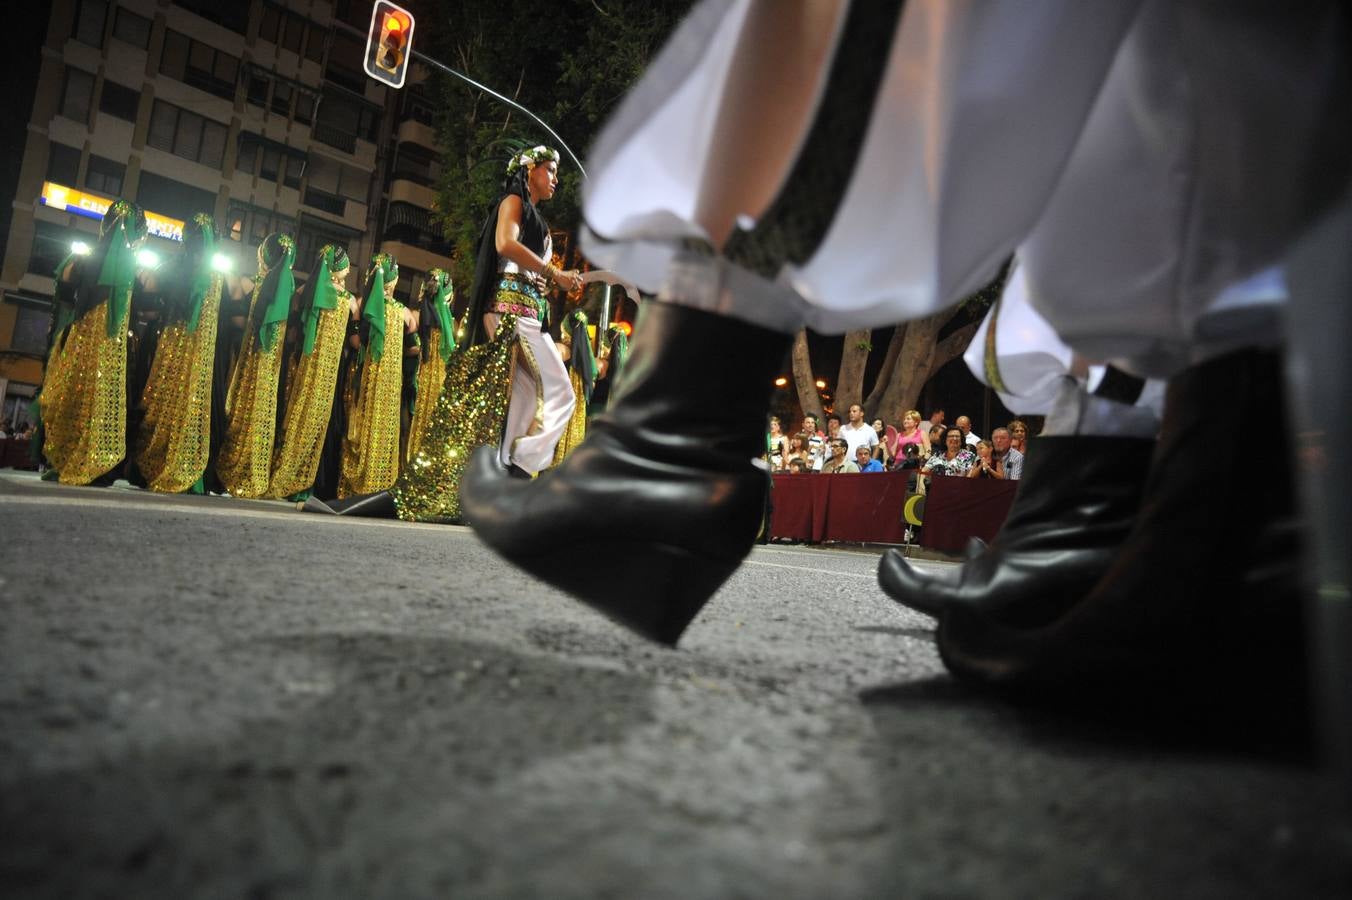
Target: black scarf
(534, 230)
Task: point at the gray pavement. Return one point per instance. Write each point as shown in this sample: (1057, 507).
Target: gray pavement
(218, 698)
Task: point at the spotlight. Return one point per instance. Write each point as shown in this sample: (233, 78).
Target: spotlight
(79, 248)
(147, 259)
(781, 381)
(222, 263)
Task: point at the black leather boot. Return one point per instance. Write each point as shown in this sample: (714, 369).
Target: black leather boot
(1205, 594)
(663, 487)
(1075, 506)
(379, 505)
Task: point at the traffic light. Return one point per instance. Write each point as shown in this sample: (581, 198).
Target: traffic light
(389, 43)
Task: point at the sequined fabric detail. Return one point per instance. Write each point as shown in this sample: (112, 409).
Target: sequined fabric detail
(245, 461)
(577, 424)
(309, 404)
(517, 296)
(173, 442)
(84, 399)
(470, 412)
(431, 376)
(371, 454)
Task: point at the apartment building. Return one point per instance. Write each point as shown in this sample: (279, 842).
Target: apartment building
(257, 111)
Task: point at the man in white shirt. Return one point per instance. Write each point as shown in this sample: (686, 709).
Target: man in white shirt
(968, 436)
(858, 433)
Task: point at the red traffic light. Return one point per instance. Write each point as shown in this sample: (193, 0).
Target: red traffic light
(389, 43)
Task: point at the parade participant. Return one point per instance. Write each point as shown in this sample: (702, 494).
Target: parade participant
(84, 392)
(781, 215)
(371, 453)
(497, 393)
(173, 441)
(436, 331)
(325, 308)
(609, 365)
(578, 359)
(245, 461)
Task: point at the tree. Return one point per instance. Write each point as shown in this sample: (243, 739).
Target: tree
(569, 63)
(915, 351)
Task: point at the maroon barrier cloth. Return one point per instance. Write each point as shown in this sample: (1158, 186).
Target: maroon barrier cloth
(864, 507)
(958, 509)
(14, 454)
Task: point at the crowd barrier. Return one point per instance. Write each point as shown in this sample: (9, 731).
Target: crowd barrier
(14, 454)
(867, 508)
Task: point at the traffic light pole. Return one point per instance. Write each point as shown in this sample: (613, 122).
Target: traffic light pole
(437, 64)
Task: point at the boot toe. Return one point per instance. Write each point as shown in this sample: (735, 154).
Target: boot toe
(907, 585)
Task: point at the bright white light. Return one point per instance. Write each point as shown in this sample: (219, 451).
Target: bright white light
(222, 263)
(79, 248)
(147, 259)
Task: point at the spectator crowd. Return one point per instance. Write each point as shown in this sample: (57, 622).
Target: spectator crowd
(928, 447)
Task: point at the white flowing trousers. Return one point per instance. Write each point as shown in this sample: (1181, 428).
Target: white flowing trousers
(1142, 156)
(542, 399)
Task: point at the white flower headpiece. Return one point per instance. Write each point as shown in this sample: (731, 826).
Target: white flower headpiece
(533, 156)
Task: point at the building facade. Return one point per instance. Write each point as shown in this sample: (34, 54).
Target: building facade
(256, 111)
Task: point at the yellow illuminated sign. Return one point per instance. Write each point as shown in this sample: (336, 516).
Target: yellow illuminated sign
(92, 206)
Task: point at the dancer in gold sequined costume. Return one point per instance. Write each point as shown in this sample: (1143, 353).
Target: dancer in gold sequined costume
(245, 463)
(582, 374)
(173, 440)
(84, 392)
(326, 306)
(371, 453)
(436, 330)
(509, 362)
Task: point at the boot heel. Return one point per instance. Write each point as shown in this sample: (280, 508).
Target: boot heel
(655, 590)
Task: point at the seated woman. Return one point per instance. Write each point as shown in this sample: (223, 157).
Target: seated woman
(954, 460)
(886, 448)
(1018, 435)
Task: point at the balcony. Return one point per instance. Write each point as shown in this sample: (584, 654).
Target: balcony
(403, 190)
(334, 137)
(413, 132)
(326, 202)
(415, 257)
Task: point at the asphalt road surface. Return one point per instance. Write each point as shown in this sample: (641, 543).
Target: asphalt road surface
(217, 698)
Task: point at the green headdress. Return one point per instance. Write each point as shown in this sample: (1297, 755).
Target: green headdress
(319, 293)
(199, 244)
(437, 295)
(276, 256)
(123, 227)
(383, 270)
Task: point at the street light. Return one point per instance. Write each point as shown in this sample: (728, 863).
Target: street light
(79, 248)
(781, 381)
(147, 259)
(821, 384)
(222, 263)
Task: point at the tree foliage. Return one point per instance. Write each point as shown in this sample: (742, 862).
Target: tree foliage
(568, 62)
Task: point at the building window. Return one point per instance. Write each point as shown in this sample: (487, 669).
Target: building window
(173, 198)
(343, 119)
(279, 163)
(187, 134)
(281, 98)
(232, 15)
(105, 176)
(119, 101)
(132, 29)
(90, 17)
(305, 108)
(200, 65)
(346, 60)
(251, 224)
(287, 30)
(315, 234)
(257, 89)
(30, 336)
(331, 184)
(63, 164)
(76, 95)
(51, 245)
(314, 44)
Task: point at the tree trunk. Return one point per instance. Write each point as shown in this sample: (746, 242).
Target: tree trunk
(875, 396)
(914, 365)
(804, 380)
(853, 358)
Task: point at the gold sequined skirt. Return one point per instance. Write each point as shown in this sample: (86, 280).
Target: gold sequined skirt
(309, 404)
(470, 412)
(245, 461)
(431, 376)
(173, 443)
(84, 399)
(371, 453)
(577, 424)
